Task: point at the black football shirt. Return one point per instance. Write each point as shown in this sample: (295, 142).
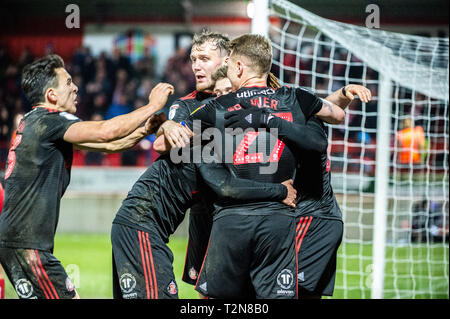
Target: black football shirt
(180, 110)
(36, 177)
(290, 104)
(159, 199)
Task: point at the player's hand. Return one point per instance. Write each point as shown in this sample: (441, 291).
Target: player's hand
(176, 134)
(159, 94)
(245, 118)
(292, 193)
(154, 122)
(362, 92)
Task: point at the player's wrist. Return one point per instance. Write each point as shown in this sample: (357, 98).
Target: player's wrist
(284, 192)
(265, 118)
(344, 92)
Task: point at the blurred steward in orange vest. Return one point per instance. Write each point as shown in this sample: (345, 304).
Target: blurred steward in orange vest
(411, 140)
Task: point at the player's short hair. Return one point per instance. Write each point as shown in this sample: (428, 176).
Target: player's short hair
(40, 75)
(220, 73)
(256, 48)
(221, 41)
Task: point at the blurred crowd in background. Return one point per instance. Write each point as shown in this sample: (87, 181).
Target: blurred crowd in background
(114, 83)
(111, 84)
(108, 85)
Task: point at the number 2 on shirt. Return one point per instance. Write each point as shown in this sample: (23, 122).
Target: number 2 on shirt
(12, 153)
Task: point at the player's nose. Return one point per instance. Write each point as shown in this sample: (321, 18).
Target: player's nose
(196, 66)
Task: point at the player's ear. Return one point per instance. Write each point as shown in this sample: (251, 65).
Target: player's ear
(50, 95)
(240, 68)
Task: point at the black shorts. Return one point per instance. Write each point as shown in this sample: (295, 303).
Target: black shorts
(199, 230)
(36, 274)
(250, 257)
(317, 243)
(142, 265)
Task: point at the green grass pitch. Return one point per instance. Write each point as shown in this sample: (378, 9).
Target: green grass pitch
(89, 256)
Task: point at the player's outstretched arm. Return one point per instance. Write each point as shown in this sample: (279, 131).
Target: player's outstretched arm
(311, 105)
(128, 141)
(344, 96)
(227, 186)
(331, 113)
(119, 126)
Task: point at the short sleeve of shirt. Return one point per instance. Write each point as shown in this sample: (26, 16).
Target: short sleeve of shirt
(57, 125)
(309, 102)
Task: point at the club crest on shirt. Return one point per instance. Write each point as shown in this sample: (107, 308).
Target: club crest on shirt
(172, 288)
(173, 110)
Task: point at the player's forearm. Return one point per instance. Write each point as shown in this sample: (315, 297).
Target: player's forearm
(226, 186)
(331, 113)
(119, 145)
(242, 189)
(338, 98)
(123, 125)
(300, 136)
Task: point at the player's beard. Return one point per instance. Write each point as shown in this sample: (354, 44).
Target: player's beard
(204, 86)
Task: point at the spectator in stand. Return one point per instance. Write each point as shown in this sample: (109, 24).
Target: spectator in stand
(118, 108)
(178, 71)
(99, 105)
(120, 84)
(101, 83)
(129, 157)
(94, 158)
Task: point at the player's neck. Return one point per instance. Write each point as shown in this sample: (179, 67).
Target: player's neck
(49, 106)
(254, 81)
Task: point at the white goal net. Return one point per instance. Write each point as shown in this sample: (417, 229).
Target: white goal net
(394, 197)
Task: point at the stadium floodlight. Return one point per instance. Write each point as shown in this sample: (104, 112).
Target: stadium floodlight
(395, 241)
(260, 16)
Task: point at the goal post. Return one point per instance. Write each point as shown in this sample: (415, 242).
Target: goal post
(381, 186)
(395, 213)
